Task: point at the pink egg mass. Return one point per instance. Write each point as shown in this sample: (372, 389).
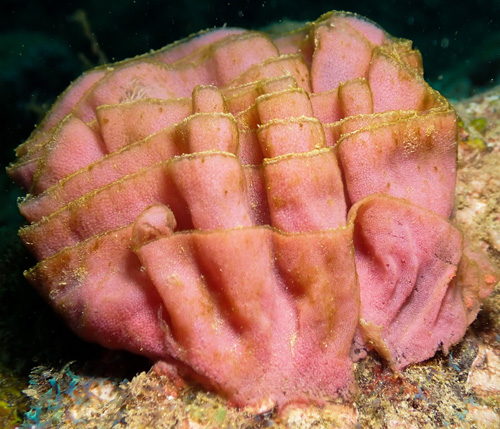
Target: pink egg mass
(255, 212)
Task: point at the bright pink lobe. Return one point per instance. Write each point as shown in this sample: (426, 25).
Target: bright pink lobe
(406, 258)
(412, 158)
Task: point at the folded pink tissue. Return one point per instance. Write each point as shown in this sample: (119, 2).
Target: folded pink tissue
(255, 212)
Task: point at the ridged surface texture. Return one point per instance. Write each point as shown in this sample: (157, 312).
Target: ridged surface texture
(255, 212)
